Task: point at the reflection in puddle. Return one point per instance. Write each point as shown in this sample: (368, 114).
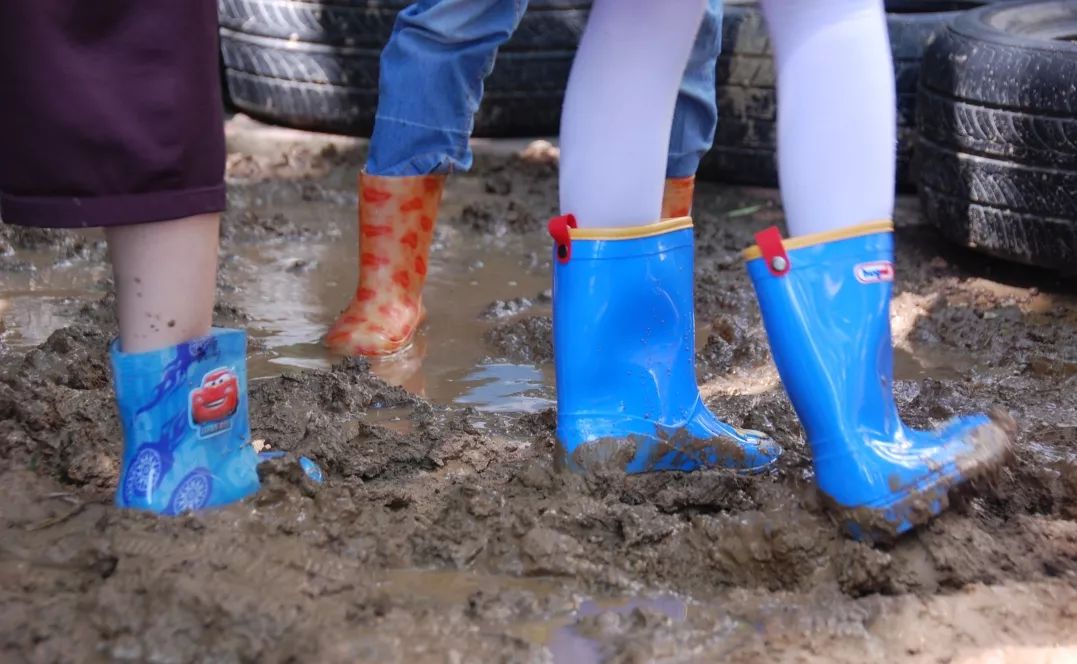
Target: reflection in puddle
(569, 645)
(292, 292)
(506, 388)
(43, 289)
(572, 630)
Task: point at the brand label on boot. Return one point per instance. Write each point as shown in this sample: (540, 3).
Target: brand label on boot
(215, 402)
(874, 272)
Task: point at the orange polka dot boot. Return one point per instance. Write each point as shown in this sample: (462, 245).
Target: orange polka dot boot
(396, 223)
(677, 197)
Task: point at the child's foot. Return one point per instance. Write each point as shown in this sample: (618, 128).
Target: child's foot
(186, 433)
(396, 224)
(375, 326)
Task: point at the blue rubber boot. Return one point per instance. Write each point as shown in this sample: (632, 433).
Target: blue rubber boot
(825, 301)
(624, 345)
(186, 432)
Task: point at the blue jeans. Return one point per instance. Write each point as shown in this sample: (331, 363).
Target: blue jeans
(431, 85)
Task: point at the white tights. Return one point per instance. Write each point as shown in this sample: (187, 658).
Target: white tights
(836, 120)
(836, 117)
(618, 110)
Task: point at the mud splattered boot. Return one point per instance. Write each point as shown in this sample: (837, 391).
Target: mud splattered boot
(624, 347)
(396, 224)
(186, 433)
(826, 306)
(677, 197)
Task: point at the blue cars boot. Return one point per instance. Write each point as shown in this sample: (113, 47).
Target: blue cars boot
(624, 346)
(186, 432)
(825, 301)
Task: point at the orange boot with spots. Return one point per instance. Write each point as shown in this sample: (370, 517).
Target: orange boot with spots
(396, 224)
(677, 197)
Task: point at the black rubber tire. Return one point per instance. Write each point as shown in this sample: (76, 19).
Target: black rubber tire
(745, 142)
(314, 65)
(998, 118)
(1006, 234)
(547, 25)
(350, 111)
(1036, 190)
(1006, 134)
(746, 96)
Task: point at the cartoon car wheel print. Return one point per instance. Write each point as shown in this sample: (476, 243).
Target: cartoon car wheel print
(192, 493)
(217, 399)
(142, 477)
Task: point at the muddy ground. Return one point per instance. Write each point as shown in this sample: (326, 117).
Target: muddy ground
(444, 533)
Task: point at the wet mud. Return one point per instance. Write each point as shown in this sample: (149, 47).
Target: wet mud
(445, 532)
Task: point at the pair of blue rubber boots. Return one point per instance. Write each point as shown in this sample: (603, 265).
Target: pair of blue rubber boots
(627, 396)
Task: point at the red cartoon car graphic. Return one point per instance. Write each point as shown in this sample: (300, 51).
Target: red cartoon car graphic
(218, 397)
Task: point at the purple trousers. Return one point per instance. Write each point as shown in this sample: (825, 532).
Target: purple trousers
(110, 112)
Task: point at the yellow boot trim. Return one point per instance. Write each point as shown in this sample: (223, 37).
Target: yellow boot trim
(631, 232)
(801, 241)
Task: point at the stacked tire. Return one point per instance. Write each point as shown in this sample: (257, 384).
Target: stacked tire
(314, 65)
(745, 144)
(746, 138)
(998, 122)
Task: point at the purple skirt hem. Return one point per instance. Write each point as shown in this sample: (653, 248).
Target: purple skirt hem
(90, 211)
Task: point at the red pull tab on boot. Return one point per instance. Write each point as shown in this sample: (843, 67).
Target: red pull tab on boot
(770, 245)
(559, 231)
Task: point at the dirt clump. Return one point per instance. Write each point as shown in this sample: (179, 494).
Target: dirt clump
(523, 339)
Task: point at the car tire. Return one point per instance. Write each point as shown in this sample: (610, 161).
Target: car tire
(315, 65)
(746, 140)
(998, 124)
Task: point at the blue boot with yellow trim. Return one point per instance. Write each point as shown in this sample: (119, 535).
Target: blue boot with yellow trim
(624, 345)
(825, 301)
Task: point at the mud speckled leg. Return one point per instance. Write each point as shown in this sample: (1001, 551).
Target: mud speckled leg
(166, 275)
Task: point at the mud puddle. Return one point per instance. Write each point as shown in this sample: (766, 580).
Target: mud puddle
(290, 289)
(567, 631)
(287, 293)
(44, 285)
(445, 533)
(920, 363)
(290, 280)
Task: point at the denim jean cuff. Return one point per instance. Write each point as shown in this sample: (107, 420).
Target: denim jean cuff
(400, 148)
(683, 165)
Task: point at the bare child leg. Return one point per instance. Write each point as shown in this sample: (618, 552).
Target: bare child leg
(165, 274)
(121, 126)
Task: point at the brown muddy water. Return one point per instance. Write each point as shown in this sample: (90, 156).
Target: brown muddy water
(444, 533)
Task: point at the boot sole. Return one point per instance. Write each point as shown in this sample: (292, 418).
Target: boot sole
(886, 519)
(637, 454)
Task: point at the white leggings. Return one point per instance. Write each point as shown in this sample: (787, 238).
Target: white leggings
(836, 135)
(618, 110)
